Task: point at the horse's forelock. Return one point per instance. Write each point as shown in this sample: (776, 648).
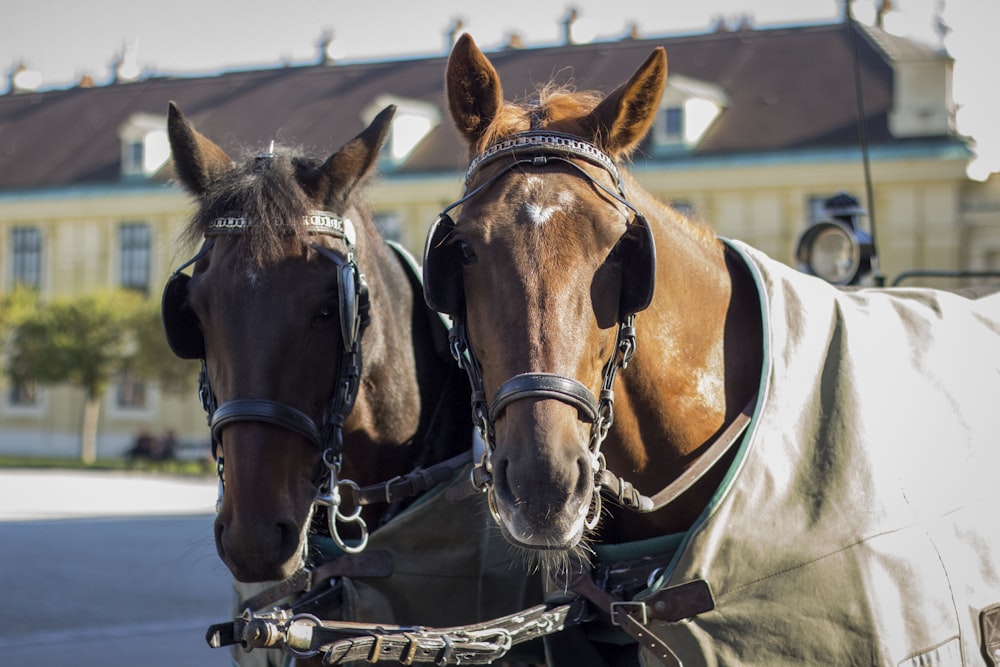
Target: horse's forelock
(558, 107)
(265, 191)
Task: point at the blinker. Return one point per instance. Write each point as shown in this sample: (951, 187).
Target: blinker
(637, 254)
(348, 307)
(442, 268)
(180, 324)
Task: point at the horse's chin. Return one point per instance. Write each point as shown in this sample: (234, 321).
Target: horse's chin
(252, 568)
(563, 533)
(256, 572)
(554, 561)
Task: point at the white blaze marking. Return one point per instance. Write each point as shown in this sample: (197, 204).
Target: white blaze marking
(537, 213)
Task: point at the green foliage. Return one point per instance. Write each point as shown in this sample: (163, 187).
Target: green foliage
(154, 360)
(84, 341)
(15, 306)
(87, 341)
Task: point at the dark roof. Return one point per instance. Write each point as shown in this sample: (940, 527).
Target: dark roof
(788, 88)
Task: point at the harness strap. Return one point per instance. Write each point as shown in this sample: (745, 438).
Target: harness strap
(628, 496)
(412, 483)
(374, 563)
(304, 636)
(670, 604)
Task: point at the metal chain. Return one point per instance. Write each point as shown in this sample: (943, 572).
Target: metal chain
(625, 346)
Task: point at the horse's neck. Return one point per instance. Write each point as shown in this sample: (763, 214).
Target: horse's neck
(402, 378)
(696, 365)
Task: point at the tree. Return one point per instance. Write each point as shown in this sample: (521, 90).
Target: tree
(14, 307)
(154, 360)
(87, 341)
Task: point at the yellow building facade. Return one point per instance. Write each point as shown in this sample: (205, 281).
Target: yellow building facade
(928, 214)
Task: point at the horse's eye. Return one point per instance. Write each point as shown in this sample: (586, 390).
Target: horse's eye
(326, 313)
(468, 256)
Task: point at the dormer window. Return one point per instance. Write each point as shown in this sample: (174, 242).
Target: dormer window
(687, 110)
(144, 145)
(414, 120)
(670, 125)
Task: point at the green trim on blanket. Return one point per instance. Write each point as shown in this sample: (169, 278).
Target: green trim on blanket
(614, 553)
(748, 436)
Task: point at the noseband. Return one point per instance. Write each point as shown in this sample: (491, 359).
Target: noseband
(539, 148)
(327, 436)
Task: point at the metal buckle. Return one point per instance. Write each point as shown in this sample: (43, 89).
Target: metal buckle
(626, 607)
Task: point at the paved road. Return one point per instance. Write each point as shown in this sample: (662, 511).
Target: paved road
(108, 569)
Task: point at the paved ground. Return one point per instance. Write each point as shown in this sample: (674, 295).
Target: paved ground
(102, 569)
(27, 495)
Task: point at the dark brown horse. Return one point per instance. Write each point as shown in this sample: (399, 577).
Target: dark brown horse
(337, 412)
(616, 348)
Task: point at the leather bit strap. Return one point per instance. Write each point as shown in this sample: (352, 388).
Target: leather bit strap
(670, 604)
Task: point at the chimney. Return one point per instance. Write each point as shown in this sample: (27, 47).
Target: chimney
(20, 79)
(514, 41)
(882, 8)
(567, 25)
(453, 33)
(329, 50)
(125, 64)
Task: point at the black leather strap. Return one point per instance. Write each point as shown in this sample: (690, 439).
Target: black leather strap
(412, 483)
(264, 410)
(545, 385)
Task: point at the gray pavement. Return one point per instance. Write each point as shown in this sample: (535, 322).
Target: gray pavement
(100, 569)
(29, 494)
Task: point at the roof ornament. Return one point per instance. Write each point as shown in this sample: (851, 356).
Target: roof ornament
(263, 159)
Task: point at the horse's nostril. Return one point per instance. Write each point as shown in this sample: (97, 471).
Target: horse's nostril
(585, 476)
(288, 538)
(220, 530)
(501, 483)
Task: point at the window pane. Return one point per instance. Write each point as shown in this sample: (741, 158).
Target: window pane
(131, 393)
(674, 118)
(26, 243)
(135, 256)
(23, 394)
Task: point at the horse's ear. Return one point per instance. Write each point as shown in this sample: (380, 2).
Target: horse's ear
(624, 117)
(347, 168)
(197, 160)
(474, 93)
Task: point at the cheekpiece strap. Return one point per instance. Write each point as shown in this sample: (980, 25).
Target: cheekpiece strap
(556, 142)
(315, 222)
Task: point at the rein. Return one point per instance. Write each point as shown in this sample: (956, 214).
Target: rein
(541, 148)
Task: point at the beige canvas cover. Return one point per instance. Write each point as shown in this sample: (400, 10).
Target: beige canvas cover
(860, 524)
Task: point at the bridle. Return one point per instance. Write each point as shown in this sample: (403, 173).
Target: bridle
(184, 337)
(444, 291)
(540, 148)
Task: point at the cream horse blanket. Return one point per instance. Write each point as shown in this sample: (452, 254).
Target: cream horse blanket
(860, 524)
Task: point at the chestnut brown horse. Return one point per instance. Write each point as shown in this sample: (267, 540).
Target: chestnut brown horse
(331, 392)
(786, 431)
(527, 319)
